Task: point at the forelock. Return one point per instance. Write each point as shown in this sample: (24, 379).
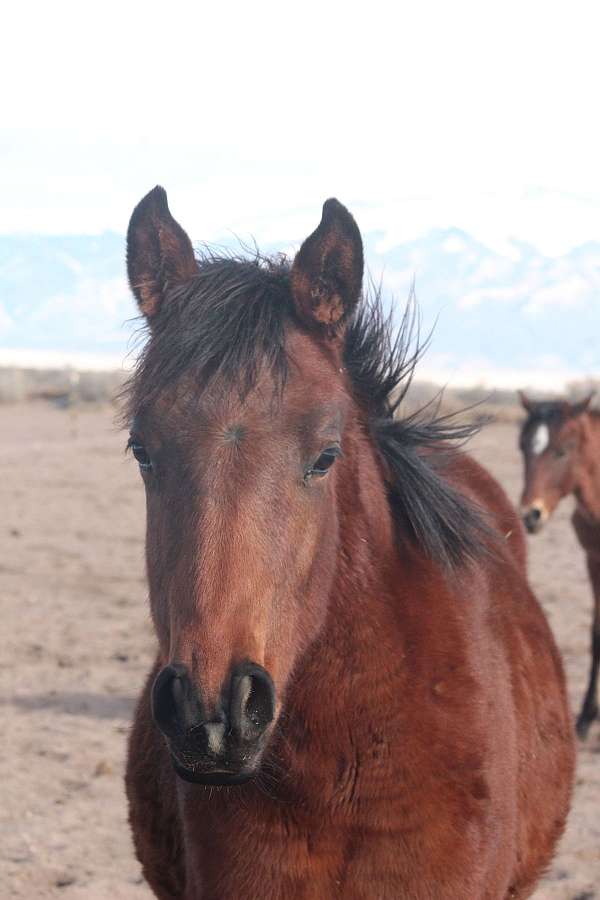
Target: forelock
(227, 322)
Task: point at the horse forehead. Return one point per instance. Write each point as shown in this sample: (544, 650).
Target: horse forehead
(539, 438)
(313, 387)
(315, 366)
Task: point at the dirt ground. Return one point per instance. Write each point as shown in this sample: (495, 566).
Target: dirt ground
(76, 643)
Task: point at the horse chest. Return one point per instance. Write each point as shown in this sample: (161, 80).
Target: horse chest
(295, 864)
(358, 857)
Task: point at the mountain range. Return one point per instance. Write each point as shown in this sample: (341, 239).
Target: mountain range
(492, 313)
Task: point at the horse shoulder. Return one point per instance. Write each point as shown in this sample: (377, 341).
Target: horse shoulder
(542, 718)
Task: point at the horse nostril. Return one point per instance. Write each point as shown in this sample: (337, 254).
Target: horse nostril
(252, 703)
(178, 711)
(533, 519)
(176, 705)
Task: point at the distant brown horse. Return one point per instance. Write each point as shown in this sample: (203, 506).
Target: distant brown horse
(560, 442)
(356, 694)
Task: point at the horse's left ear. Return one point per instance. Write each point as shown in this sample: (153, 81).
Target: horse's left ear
(582, 405)
(160, 255)
(328, 269)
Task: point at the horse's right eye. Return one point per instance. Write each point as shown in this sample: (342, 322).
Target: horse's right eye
(141, 454)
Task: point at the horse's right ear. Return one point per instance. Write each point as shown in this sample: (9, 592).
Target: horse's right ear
(159, 252)
(525, 401)
(578, 408)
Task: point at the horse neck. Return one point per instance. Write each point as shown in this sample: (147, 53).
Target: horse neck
(588, 486)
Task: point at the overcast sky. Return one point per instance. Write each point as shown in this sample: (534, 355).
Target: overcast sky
(478, 115)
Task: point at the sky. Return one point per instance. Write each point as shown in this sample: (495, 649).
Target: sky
(476, 115)
(426, 119)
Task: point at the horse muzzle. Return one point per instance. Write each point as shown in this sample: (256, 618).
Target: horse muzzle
(534, 517)
(223, 749)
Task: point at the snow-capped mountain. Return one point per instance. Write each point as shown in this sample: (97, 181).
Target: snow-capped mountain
(518, 312)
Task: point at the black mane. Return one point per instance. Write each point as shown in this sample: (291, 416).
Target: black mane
(230, 320)
(227, 322)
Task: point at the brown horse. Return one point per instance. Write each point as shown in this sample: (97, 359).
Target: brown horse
(355, 693)
(560, 442)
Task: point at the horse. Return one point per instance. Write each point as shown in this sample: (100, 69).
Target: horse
(560, 443)
(355, 693)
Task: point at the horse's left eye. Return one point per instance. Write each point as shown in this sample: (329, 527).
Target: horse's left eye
(325, 461)
(560, 452)
(141, 454)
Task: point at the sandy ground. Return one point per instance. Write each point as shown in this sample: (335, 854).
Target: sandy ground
(76, 643)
